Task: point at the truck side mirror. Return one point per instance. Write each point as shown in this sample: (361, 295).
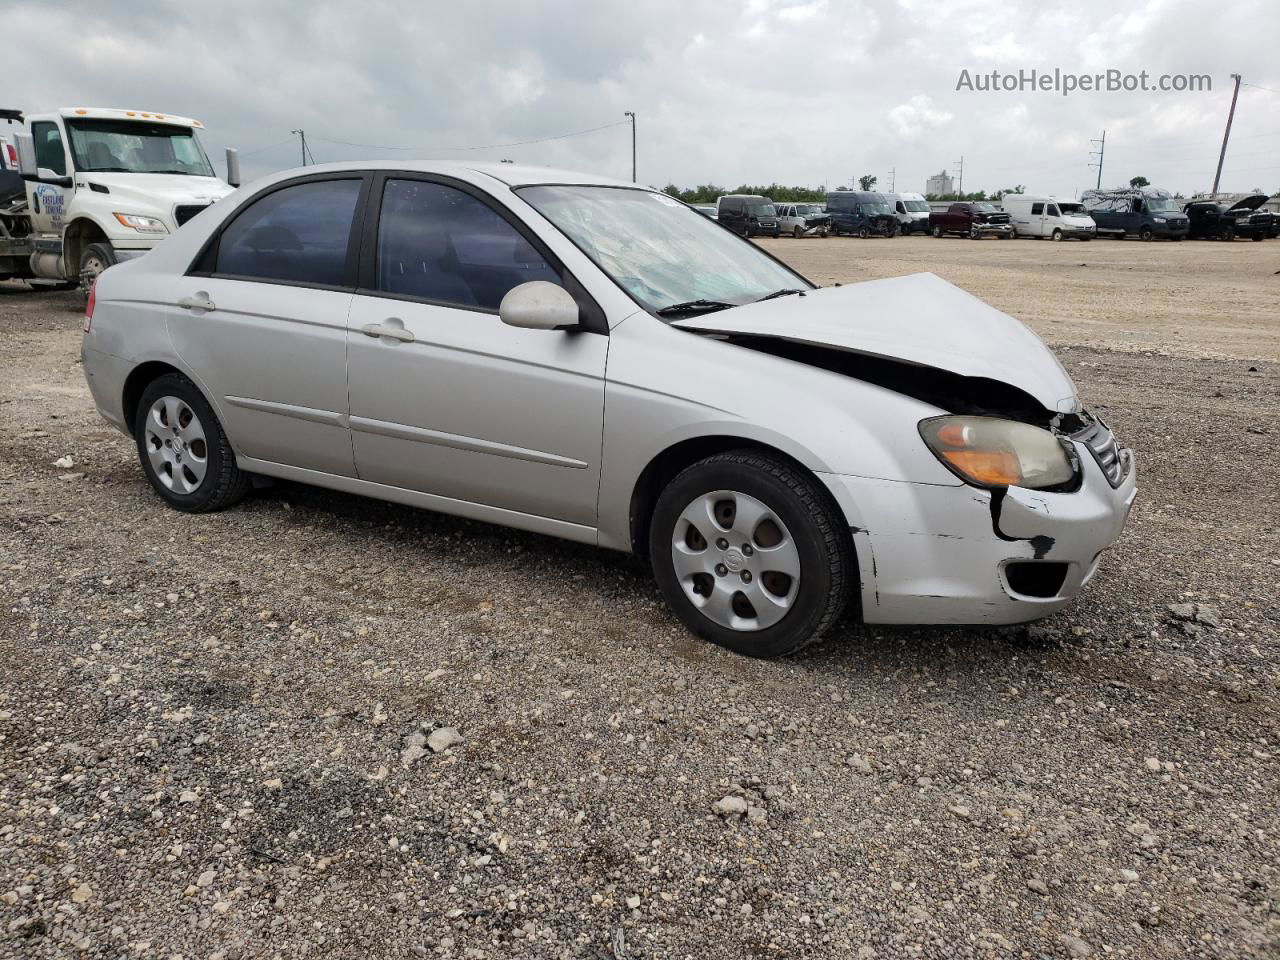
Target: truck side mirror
(233, 166)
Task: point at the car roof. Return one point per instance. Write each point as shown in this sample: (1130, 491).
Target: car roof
(511, 174)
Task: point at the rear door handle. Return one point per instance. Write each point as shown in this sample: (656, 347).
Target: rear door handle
(200, 301)
(393, 329)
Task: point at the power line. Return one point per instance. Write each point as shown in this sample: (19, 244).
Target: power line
(487, 146)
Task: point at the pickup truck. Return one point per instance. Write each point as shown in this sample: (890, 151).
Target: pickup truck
(973, 220)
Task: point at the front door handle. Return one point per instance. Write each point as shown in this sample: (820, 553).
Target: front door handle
(200, 301)
(393, 329)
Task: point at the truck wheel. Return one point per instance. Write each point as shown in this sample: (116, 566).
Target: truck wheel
(1145, 234)
(751, 553)
(1256, 237)
(797, 233)
(937, 232)
(973, 234)
(1228, 233)
(863, 233)
(1057, 236)
(95, 258)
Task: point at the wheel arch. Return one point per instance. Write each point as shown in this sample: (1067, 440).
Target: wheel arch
(137, 381)
(664, 467)
(78, 234)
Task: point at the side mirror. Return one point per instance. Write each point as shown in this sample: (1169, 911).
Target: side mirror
(45, 175)
(539, 305)
(233, 166)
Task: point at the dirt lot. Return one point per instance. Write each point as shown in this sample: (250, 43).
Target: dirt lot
(204, 720)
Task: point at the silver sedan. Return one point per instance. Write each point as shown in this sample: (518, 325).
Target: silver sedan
(584, 358)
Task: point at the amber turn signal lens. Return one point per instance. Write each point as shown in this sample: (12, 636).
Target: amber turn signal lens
(991, 468)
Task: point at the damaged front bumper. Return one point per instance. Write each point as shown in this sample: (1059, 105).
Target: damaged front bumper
(957, 554)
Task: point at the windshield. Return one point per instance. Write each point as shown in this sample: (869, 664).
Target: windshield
(915, 206)
(1073, 209)
(877, 208)
(763, 210)
(658, 250)
(127, 146)
(1161, 205)
(984, 208)
(808, 210)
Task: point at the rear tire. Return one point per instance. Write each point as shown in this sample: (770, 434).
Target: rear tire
(768, 514)
(183, 449)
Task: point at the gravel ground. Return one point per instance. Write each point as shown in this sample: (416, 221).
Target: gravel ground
(316, 725)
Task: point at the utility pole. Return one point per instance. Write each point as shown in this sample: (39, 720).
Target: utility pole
(303, 135)
(1227, 133)
(1100, 153)
(893, 179)
(632, 115)
(960, 188)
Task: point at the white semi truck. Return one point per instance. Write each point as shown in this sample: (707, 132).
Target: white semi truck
(96, 186)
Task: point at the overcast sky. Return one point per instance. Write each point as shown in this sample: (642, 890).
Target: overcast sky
(812, 93)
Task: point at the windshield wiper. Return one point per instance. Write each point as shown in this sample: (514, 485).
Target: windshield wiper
(694, 306)
(784, 292)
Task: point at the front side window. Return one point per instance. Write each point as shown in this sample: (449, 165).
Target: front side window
(298, 234)
(658, 250)
(49, 152)
(128, 146)
(1053, 211)
(438, 243)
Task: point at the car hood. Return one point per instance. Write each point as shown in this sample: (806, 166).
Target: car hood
(919, 319)
(1250, 203)
(147, 192)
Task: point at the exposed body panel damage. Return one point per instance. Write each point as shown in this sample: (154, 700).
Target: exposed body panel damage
(927, 551)
(919, 320)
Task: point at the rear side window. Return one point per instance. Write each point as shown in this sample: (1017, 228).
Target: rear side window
(49, 151)
(1037, 209)
(438, 243)
(298, 234)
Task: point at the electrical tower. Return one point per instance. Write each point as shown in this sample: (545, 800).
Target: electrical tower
(1100, 153)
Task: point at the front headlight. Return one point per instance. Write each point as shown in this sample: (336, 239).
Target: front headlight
(1159, 219)
(991, 452)
(140, 223)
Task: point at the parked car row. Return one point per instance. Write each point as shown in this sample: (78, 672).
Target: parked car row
(1147, 213)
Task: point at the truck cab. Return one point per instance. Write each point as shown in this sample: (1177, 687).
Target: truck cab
(1225, 219)
(106, 185)
(912, 211)
(971, 219)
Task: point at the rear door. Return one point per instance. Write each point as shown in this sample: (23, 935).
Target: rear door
(448, 400)
(262, 320)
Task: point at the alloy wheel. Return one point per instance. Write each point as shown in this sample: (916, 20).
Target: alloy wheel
(736, 560)
(176, 445)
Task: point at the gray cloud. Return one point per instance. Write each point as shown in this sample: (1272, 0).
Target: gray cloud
(816, 91)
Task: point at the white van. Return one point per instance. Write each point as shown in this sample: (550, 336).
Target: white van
(1042, 216)
(912, 211)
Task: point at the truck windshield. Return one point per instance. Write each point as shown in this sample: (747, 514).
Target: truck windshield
(808, 210)
(1072, 209)
(1161, 205)
(915, 206)
(763, 210)
(877, 208)
(658, 250)
(127, 146)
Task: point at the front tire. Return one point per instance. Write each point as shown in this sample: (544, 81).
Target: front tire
(1145, 234)
(863, 233)
(94, 259)
(751, 553)
(1057, 236)
(937, 232)
(183, 449)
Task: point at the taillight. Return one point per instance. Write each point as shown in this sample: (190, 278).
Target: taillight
(89, 305)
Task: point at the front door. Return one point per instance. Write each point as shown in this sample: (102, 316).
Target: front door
(263, 319)
(448, 400)
(49, 201)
